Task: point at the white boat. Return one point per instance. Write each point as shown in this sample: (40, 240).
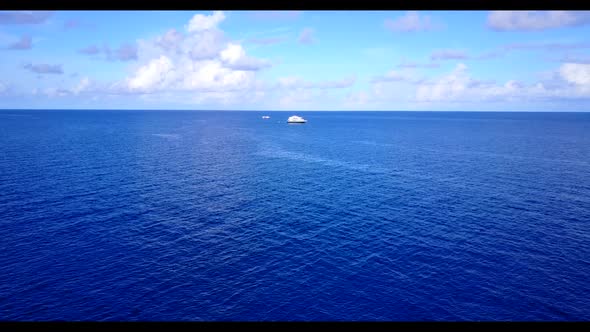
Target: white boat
(266, 117)
(296, 119)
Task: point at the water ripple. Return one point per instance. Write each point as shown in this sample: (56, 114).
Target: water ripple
(219, 216)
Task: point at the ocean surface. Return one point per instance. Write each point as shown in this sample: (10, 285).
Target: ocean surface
(354, 216)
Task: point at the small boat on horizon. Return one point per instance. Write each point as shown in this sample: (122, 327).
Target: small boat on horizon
(266, 117)
(296, 119)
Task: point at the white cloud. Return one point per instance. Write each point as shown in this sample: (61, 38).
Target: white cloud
(232, 53)
(448, 87)
(536, 20)
(200, 66)
(151, 75)
(577, 74)
(459, 86)
(161, 75)
(201, 22)
(204, 45)
(213, 76)
(235, 57)
(410, 22)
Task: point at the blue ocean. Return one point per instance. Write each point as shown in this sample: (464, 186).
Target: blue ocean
(112, 215)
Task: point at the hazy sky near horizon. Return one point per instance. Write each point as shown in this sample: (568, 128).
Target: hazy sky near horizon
(296, 60)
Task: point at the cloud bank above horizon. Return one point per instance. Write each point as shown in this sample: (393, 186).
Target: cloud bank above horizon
(292, 60)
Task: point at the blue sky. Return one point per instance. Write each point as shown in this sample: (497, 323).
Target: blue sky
(296, 60)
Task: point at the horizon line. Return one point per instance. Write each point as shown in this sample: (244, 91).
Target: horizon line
(294, 110)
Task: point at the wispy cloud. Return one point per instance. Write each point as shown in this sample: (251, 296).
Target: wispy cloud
(489, 55)
(553, 47)
(454, 54)
(449, 55)
(397, 76)
(357, 98)
(418, 65)
(575, 59)
(337, 84)
(410, 22)
(536, 20)
(90, 50)
(55, 92)
(266, 41)
(3, 87)
(24, 43)
(307, 36)
(295, 82)
(72, 24)
(170, 40)
(547, 46)
(25, 17)
(276, 14)
(84, 86)
(125, 52)
(76, 24)
(379, 53)
(44, 68)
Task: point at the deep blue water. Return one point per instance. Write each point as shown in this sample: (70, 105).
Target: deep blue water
(354, 216)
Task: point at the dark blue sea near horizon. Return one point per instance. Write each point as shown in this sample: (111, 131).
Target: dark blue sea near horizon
(353, 216)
